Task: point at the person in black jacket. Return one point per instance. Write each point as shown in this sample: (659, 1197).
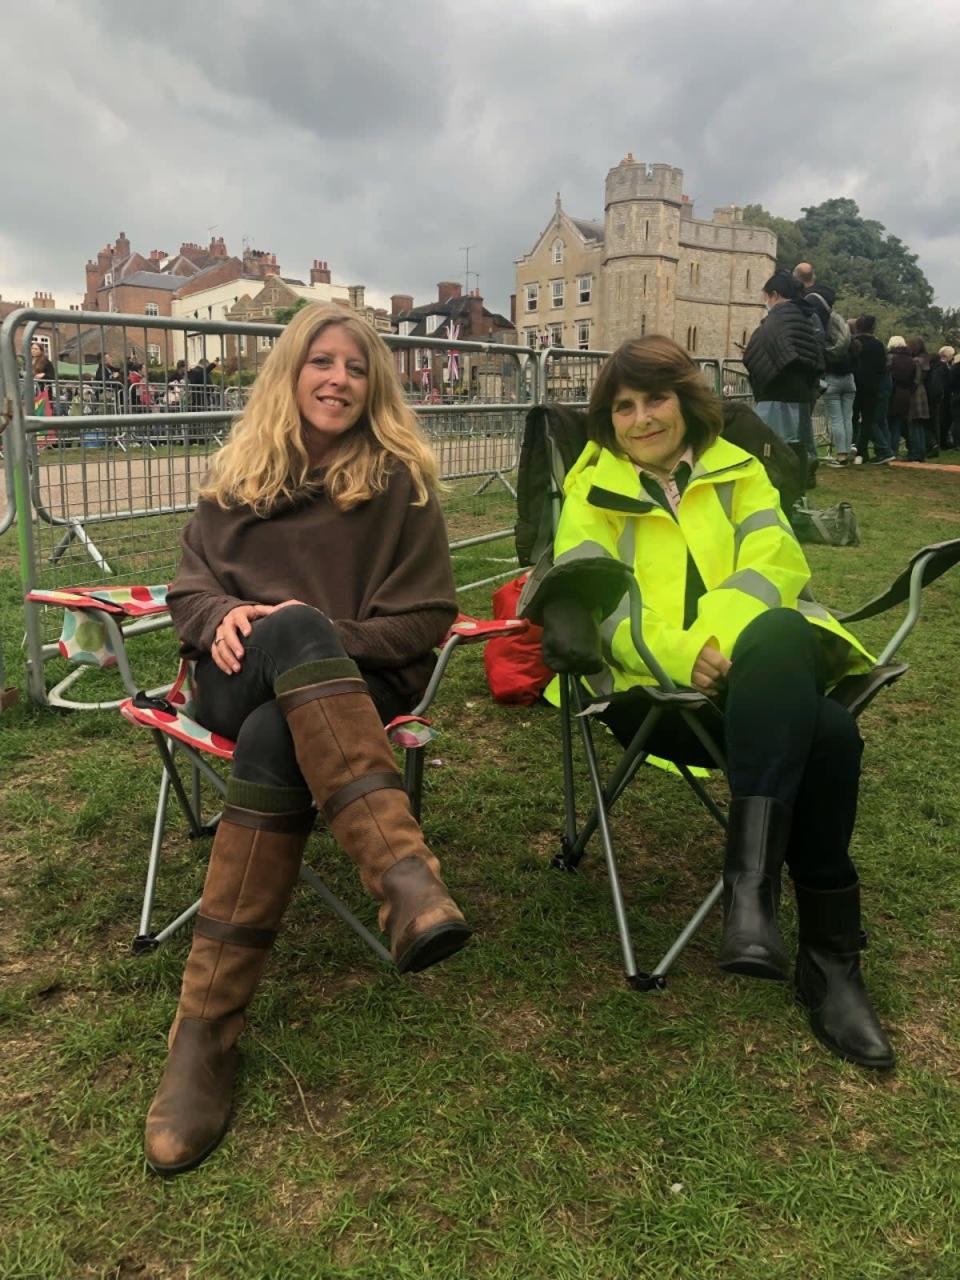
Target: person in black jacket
(870, 374)
(953, 389)
(938, 395)
(784, 357)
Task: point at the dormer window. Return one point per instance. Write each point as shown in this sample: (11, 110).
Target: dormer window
(434, 322)
(407, 327)
(557, 252)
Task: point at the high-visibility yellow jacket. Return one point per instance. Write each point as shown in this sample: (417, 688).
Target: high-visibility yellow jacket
(729, 520)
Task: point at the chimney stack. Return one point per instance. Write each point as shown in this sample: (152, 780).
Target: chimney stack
(400, 302)
(319, 272)
(448, 289)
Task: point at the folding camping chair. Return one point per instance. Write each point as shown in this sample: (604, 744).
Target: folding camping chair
(605, 582)
(97, 622)
(175, 731)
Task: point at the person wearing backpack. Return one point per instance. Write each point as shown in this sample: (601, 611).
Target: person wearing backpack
(784, 359)
(841, 389)
(820, 298)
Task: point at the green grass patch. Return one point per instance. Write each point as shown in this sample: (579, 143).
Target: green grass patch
(516, 1114)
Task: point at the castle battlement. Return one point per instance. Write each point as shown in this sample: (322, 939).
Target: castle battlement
(636, 180)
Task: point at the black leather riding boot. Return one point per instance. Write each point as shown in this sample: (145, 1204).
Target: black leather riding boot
(758, 829)
(828, 981)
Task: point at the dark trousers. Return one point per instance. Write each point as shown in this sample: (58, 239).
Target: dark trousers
(782, 739)
(244, 707)
(864, 418)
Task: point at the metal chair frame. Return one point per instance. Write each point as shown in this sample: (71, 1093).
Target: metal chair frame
(140, 709)
(667, 698)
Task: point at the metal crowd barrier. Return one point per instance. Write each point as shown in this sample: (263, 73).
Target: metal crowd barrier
(97, 487)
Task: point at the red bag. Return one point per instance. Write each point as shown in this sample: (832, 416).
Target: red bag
(515, 669)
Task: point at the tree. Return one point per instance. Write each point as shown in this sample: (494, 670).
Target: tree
(872, 271)
(284, 315)
(790, 243)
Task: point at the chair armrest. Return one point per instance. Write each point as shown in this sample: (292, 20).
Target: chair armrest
(130, 602)
(571, 637)
(70, 599)
(597, 584)
(470, 630)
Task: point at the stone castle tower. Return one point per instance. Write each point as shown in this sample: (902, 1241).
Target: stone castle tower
(666, 271)
(649, 267)
(642, 207)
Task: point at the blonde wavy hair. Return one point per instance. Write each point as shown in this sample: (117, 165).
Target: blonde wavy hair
(265, 461)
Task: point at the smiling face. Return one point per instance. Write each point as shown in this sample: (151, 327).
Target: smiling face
(649, 427)
(331, 389)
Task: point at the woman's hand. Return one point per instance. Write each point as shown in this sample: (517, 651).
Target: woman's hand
(711, 667)
(234, 627)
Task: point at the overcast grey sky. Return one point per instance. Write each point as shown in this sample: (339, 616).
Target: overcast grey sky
(383, 135)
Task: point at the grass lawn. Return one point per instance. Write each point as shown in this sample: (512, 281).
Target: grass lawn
(518, 1113)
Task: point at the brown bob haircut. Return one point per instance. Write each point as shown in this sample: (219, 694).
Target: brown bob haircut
(654, 363)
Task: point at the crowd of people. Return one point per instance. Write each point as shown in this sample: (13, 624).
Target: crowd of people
(875, 398)
(127, 387)
(194, 387)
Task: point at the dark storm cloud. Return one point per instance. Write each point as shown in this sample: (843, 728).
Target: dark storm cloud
(385, 136)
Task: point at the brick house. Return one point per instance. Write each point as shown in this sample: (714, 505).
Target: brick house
(453, 315)
(121, 280)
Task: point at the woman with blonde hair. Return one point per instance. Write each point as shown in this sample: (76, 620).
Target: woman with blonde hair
(314, 585)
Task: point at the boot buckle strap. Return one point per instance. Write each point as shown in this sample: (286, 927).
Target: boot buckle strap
(299, 822)
(358, 787)
(241, 935)
(325, 689)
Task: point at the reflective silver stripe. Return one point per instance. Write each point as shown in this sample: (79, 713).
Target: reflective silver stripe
(769, 518)
(610, 623)
(724, 492)
(753, 583)
(627, 544)
(586, 550)
(810, 609)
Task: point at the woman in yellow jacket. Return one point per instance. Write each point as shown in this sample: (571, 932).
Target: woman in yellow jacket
(720, 574)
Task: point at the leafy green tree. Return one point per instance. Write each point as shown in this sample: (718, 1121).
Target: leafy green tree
(790, 242)
(872, 271)
(285, 314)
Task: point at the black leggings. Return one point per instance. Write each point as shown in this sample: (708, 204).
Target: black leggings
(244, 706)
(782, 739)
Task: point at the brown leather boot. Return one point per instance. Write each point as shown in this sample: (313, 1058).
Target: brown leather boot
(344, 755)
(253, 868)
